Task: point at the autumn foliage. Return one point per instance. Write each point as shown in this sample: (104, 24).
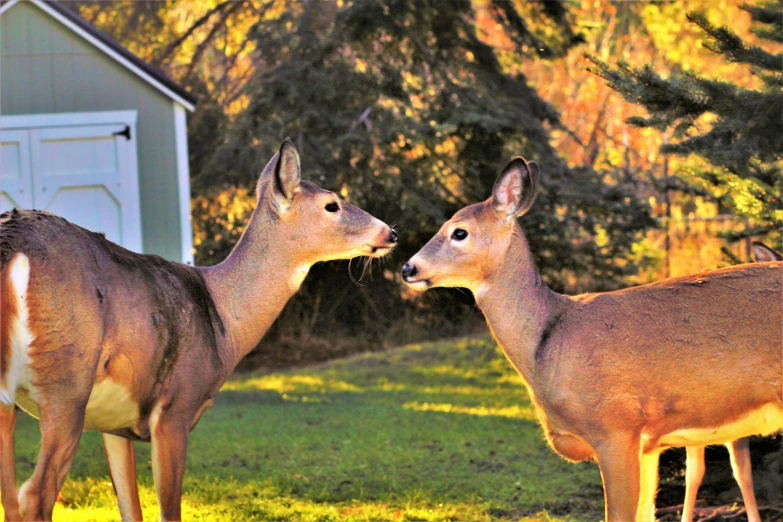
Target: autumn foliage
(409, 111)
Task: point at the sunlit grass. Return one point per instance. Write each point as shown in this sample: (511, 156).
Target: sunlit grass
(433, 432)
(515, 412)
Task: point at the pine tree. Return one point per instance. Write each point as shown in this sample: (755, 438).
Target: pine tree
(744, 143)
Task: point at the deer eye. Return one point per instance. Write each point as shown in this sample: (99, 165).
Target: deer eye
(332, 207)
(459, 234)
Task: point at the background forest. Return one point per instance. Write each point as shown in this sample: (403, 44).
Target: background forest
(408, 109)
(657, 125)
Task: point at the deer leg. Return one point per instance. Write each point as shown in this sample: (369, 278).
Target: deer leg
(694, 473)
(61, 430)
(739, 452)
(122, 468)
(169, 446)
(649, 486)
(619, 460)
(8, 462)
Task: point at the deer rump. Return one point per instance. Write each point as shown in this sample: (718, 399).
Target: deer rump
(70, 301)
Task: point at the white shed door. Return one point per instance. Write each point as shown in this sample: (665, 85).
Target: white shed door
(16, 182)
(84, 173)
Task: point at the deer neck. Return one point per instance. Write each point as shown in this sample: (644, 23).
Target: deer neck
(253, 284)
(518, 305)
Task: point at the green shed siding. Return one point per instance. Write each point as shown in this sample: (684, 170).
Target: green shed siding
(46, 68)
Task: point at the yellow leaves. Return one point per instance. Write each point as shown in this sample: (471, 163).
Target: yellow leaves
(238, 105)
(681, 42)
(418, 151)
(222, 216)
(446, 148)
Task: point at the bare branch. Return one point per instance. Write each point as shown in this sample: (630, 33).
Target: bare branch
(170, 48)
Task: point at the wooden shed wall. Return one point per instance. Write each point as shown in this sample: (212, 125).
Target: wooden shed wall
(46, 68)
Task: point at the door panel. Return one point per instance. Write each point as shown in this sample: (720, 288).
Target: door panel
(16, 185)
(104, 210)
(77, 175)
(74, 165)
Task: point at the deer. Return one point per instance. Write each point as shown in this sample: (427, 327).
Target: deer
(739, 450)
(96, 337)
(617, 377)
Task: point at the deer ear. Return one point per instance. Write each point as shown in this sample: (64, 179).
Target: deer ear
(287, 173)
(282, 174)
(515, 188)
(763, 254)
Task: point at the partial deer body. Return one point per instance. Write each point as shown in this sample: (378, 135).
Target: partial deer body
(619, 376)
(739, 450)
(94, 337)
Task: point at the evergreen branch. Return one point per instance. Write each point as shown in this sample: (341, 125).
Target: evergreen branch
(730, 45)
(769, 13)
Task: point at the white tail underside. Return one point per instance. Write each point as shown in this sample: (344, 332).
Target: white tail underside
(21, 337)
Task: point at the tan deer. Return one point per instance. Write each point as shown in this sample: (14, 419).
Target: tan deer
(618, 376)
(739, 450)
(95, 337)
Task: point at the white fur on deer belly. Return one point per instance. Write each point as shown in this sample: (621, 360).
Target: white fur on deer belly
(763, 421)
(110, 407)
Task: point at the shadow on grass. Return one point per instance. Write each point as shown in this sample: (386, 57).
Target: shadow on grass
(443, 431)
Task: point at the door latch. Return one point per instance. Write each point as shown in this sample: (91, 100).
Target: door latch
(124, 132)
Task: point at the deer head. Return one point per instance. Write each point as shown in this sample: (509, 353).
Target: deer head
(470, 246)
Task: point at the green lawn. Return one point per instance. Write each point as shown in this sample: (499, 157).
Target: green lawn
(440, 431)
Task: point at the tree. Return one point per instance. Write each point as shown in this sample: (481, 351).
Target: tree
(737, 130)
(400, 107)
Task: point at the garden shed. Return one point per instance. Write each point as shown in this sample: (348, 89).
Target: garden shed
(90, 132)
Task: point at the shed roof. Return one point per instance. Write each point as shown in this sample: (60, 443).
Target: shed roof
(112, 48)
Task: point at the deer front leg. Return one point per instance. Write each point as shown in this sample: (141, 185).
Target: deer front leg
(619, 460)
(122, 468)
(694, 472)
(8, 462)
(739, 452)
(169, 447)
(61, 430)
(649, 486)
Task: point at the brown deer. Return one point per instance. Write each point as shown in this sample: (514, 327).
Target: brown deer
(95, 337)
(618, 376)
(739, 450)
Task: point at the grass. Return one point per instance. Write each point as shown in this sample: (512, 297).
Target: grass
(441, 431)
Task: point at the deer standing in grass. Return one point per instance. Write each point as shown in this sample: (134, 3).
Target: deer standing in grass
(618, 376)
(739, 450)
(95, 337)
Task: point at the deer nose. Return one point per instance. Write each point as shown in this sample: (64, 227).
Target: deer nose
(408, 271)
(392, 236)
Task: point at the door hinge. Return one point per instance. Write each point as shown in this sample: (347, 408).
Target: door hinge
(124, 132)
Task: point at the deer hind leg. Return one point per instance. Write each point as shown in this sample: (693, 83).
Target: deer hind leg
(649, 486)
(694, 473)
(122, 468)
(61, 430)
(739, 452)
(8, 462)
(619, 460)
